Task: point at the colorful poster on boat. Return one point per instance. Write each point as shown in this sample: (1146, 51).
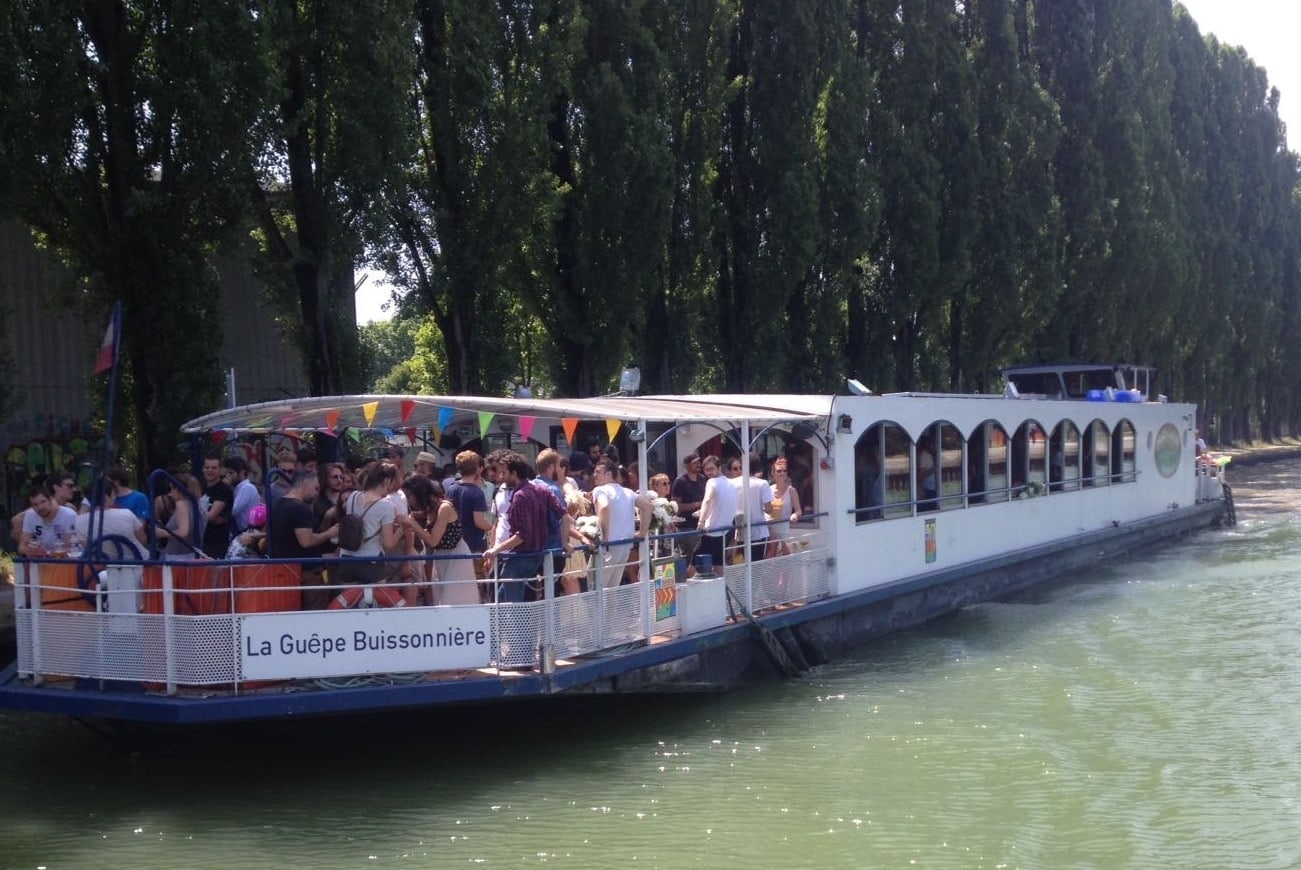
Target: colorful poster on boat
(931, 546)
(665, 588)
(327, 643)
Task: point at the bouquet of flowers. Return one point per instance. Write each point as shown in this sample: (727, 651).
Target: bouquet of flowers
(663, 515)
(589, 527)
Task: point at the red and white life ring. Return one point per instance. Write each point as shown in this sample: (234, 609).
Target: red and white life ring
(367, 596)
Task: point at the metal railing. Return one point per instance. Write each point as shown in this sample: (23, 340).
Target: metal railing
(178, 626)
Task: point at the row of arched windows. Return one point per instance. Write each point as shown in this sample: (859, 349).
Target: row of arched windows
(943, 470)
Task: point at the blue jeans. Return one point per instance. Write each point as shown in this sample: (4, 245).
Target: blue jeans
(515, 571)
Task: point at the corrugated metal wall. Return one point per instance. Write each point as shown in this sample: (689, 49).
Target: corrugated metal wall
(54, 354)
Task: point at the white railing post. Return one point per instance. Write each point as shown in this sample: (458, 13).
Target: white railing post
(31, 594)
(547, 649)
(647, 584)
(169, 636)
(746, 483)
(645, 597)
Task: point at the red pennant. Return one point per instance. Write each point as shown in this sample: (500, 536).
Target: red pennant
(408, 405)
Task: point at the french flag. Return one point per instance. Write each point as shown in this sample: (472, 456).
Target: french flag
(108, 348)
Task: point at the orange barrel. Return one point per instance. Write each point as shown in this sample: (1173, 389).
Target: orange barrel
(59, 589)
(198, 588)
(268, 588)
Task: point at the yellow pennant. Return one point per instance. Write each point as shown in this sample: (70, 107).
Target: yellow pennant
(612, 427)
(368, 411)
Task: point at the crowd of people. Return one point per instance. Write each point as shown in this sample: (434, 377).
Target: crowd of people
(487, 521)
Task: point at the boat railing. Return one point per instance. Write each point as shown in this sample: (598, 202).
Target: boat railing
(181, 627)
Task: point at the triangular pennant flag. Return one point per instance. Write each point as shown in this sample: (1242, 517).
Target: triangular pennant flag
(570, 425)
(612, 427)
(444, 417)
(411, 435)
(218, 436)
(368, 411)
(331, 419)
(485, 420)
(526, 425)
(407, 407)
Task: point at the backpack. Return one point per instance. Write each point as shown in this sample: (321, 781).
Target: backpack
(352, 527)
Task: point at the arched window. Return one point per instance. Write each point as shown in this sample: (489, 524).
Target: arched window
(882, 473)
(1029, 464)
(987, 459)
(937, 475)
(1064, 457)
(1095, 448)
(1123, 465)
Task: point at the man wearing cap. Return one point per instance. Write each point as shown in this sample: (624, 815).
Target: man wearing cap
(427, 465)
(689, 493)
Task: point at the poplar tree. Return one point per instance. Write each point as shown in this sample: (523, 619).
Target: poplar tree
(125, 133)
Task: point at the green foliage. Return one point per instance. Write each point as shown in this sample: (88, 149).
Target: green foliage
(733, 194)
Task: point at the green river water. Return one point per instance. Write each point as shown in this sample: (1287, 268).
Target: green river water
(1144, 714)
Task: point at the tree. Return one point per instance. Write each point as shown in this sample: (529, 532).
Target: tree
(335, 129)
(125, 132)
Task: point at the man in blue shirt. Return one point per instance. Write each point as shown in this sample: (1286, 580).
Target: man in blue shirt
(126, 497)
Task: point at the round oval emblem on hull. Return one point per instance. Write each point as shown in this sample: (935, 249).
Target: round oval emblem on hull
(1169, 452)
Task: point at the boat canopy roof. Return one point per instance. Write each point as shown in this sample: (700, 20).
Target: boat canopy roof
(415, 411)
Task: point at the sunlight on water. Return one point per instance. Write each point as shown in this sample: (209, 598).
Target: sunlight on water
(1147, 714)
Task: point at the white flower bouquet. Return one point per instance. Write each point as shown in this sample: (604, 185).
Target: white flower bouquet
(589, 527)
(663, 515)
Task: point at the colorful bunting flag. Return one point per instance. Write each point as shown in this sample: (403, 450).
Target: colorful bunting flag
(331, 419)
(526, 425)
(368, 411)
(408, 405)
(444, 417)
(612, 427)
(570, 425)
(485, 420)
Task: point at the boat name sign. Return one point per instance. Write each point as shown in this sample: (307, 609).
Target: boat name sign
(327, 643)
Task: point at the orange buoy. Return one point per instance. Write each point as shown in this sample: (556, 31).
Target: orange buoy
(367, 596)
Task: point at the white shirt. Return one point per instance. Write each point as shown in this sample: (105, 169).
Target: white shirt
(760, 495)
(718, 509)
(52, 532)
(115, 521)
(621, 514)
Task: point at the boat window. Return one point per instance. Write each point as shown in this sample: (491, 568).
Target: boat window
(987, 458)
(1123, 465)
(1064, 457)
(881, 473)
(1029, 463)
(1095, 446)
(937, 465)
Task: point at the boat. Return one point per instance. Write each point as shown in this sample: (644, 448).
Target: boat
(914, 505)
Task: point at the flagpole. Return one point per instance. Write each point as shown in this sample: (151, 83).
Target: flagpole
(115, 328)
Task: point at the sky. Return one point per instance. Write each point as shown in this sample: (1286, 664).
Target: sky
(1267, 29)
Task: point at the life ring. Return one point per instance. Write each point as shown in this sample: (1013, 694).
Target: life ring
(367, 596)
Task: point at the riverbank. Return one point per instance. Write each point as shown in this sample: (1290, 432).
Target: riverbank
(1243, 455)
